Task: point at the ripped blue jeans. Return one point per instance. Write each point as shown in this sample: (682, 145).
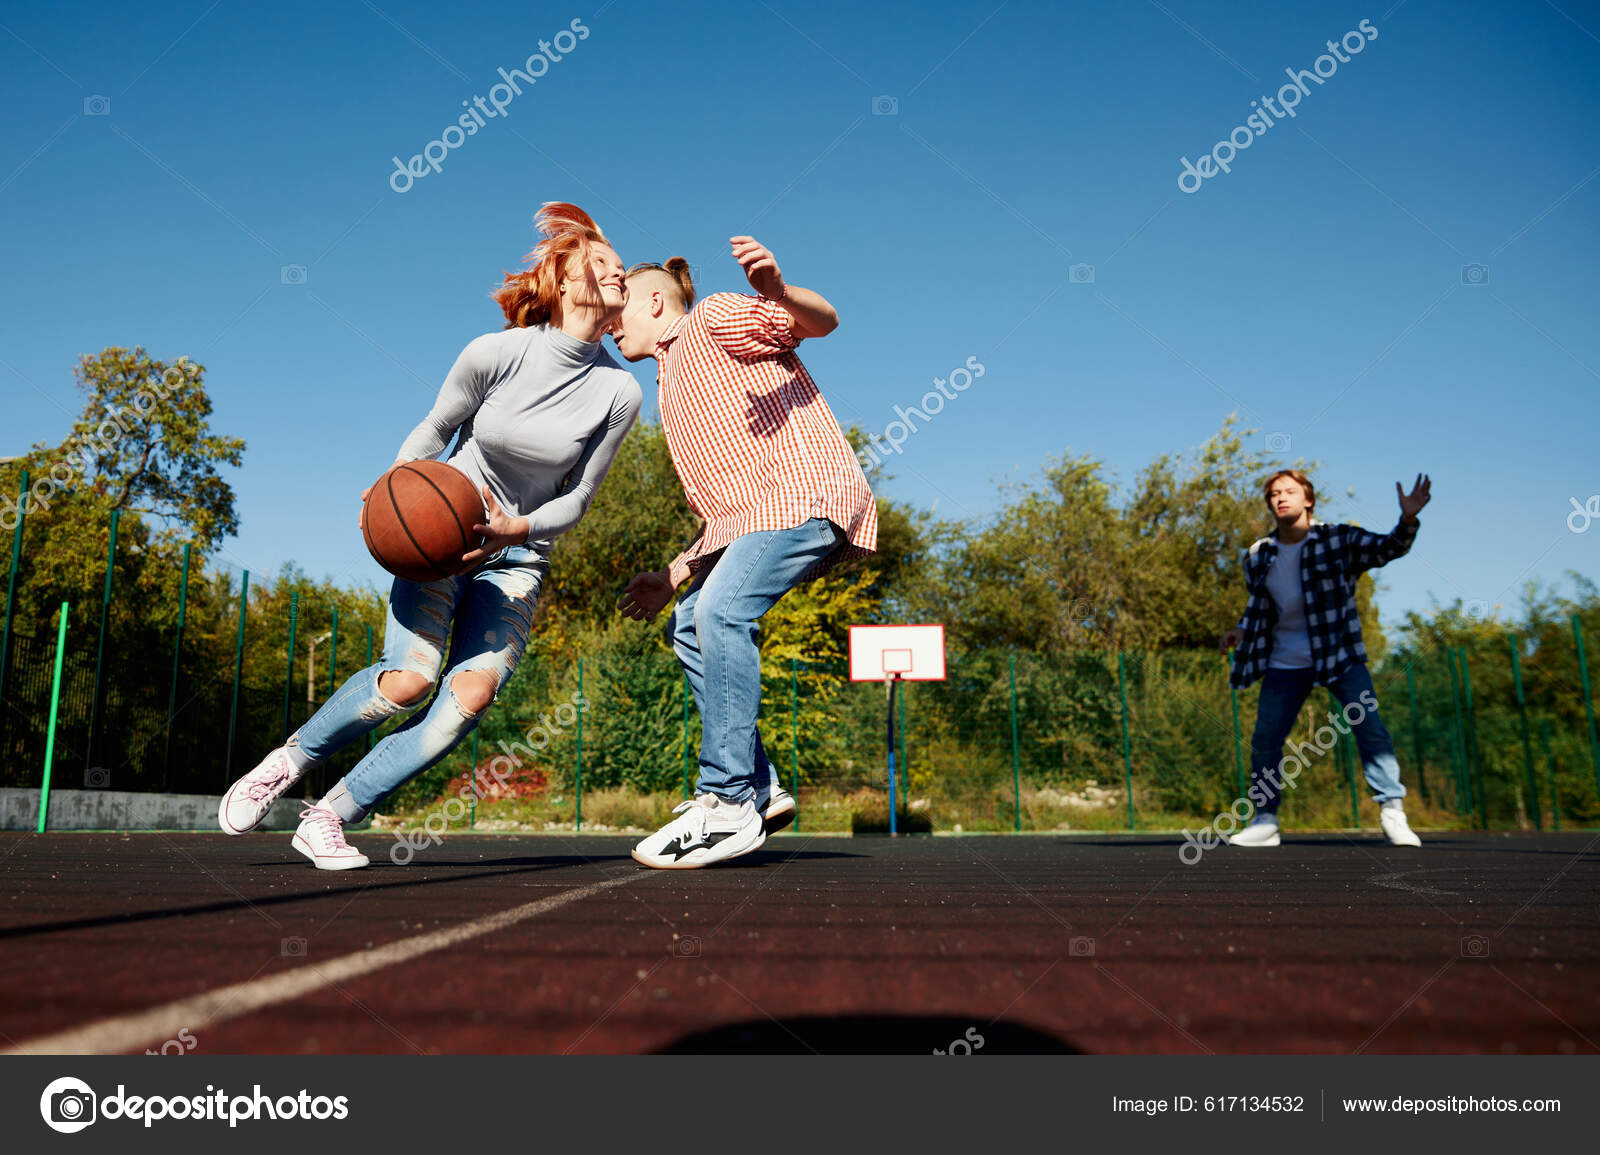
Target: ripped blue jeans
(492, 609)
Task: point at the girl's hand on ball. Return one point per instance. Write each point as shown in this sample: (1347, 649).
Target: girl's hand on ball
(498, 530)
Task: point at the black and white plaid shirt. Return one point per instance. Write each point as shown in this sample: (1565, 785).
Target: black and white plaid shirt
(1333, 557)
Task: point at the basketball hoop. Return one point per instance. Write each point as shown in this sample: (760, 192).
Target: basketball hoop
(892, 654)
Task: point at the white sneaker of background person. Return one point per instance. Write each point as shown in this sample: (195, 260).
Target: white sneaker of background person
(247, 801)
(707, 829)
(1392, 817)
(1262, 831)
(320, 838)
(774, 803)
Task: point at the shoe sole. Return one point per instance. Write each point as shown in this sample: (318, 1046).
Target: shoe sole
(779, 815)
(228, 827)
(1273, 841)
(685, 864)
(304, 848)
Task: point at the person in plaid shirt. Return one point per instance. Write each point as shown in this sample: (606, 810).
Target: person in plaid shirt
(1300, 629)
(783, 498)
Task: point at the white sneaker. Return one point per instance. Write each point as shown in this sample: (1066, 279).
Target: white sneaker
(774, 803)
(1392, 817)
(1257, 834)
(247, 801)
(321, 839)
(707, 829)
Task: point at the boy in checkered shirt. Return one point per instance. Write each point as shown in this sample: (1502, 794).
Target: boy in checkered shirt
(1300, 629)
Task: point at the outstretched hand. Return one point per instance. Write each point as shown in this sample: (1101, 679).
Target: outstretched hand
(1412, 503)
(760, 266)
(646, 596)
(1231, 639)
(498, 531)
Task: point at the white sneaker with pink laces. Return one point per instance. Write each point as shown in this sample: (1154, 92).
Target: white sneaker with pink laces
(247, 801)
(321, 839)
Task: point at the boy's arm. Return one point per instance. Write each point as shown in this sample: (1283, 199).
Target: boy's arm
(810, 313)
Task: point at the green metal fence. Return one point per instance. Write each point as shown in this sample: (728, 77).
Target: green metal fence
(1499, 733)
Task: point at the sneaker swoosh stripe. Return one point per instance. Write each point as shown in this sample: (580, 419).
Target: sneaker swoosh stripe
(141, 1029)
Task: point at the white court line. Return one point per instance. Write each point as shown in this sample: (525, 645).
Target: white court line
(136, 1031)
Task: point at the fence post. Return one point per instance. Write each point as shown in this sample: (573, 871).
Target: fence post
(578, 796)
(1416, 732)
(333, 654)
(1127, 746)
(1238, 750)
(288, 676)
(1550, 774)
(1344, 754)
(100, 649)
(238, 670)
(1527, 742)
(1458, 757)
(794, 736)
(55, 705)
(1474, 757)
(370, 733)
(1588, 698)
(1016, 764)
(905, 768)
(11, 584)
(177, 654)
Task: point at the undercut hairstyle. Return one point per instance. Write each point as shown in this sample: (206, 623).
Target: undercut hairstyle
(533, 296)
(676, 272)
(1295, 476)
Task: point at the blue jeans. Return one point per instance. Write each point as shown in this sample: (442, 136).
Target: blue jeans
(713, 631)
(492, 608)
(1283, 692)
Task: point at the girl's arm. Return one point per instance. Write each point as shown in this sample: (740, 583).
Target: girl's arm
(463, 391)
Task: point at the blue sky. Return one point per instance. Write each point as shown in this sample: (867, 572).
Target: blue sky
(937, 170)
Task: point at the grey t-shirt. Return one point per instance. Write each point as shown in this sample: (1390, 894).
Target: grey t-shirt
(1291, 639)
(538, 416)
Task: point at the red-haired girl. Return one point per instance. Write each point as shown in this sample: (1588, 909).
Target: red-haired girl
(537, 411)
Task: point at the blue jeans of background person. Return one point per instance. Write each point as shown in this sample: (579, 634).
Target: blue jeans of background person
(1283, 692)
(492, 608)
(713, 631)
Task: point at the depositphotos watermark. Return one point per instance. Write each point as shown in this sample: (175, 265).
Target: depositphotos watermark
(1282, 778)
(499, 768)
(1580, 517)
(69, 1105)
(501, 94)
(1289, 97)
(899, 431)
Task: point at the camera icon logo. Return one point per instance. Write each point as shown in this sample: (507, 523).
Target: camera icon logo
(1474, 946)
(292, 274)
(68, 1105)
(1080, 947)
(885, 106)
(1279, 442)
(1477, 610)
(687, 947)
(97, 106)
(97, 779)
(292, 947)
(1474, 274)
(1080, 274)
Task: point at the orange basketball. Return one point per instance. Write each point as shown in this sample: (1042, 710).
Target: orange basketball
(418, 520)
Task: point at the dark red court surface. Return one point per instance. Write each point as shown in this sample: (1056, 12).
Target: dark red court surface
(1476, 943)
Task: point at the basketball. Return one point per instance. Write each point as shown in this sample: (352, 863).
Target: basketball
(418, 520)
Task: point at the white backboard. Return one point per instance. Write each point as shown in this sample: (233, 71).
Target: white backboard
(914, 653)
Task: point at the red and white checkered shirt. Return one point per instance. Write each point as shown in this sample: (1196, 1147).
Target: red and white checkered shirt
(755, 445)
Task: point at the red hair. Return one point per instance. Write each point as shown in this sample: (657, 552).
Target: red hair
(533, 296)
